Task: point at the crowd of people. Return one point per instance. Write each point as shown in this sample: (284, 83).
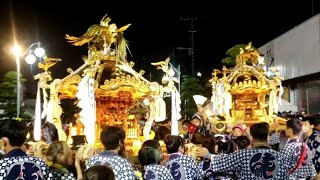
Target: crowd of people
(248, 153)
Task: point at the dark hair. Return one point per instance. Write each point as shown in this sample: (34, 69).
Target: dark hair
(197, 138)
(99, 173)
(307, 118)
(242, 142)
(294, 125)
(260, 131)
(186, 122)
(226, 147)
(150, 152)
(110, 137)
(209, 142)
(316, 120)
(173, 143)
(162, 132)
(15, 131)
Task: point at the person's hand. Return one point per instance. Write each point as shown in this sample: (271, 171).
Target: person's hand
(78, 166)
(77, 161)
(202, 152)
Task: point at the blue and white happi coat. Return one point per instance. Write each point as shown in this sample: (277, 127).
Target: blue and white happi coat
(60, 175)
(292, 152)
(252, 164)
(121, 167)
(314, 144)
(208, 174)
(156, 172)
(18, 165)
(183, 167)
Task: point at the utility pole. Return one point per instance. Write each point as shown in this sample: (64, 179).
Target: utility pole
(192, 31)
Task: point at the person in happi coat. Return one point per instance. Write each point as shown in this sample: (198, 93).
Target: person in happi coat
(60, 159)
(150, 155)
(114, 157)
(259, 162)
(210, 143)
(181, 167)
(16, 164)
(200, 123)
(313, 141)
(307, 128)
(297, 152)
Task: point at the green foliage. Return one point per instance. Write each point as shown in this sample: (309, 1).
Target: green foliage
(232, 54)
(189, 87)
(8, 96)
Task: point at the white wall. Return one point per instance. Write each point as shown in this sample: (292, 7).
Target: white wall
(297, 52)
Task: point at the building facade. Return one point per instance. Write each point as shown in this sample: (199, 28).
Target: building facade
(296, 54)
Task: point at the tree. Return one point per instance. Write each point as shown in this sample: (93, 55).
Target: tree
(189, 87)
(232, 54)
(8, 96)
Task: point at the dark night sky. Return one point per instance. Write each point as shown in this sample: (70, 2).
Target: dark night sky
(156, 28)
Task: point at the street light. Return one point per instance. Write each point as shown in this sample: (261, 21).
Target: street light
(33, 54)
(30, 59)
(16, 50)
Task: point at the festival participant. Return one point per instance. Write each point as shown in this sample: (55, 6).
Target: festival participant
(297, 152)
(307, 128)
(61, 159)
(150, 155)
(259, 162)
(237, 131)
(199, 122)
(210, 143)
(16, 164)
(313, 141)
(182, 167)
(112, 138)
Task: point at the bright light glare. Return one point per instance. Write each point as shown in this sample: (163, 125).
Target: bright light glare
(39, 52)
(171, 72)
(16, 50)
(30, 59)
